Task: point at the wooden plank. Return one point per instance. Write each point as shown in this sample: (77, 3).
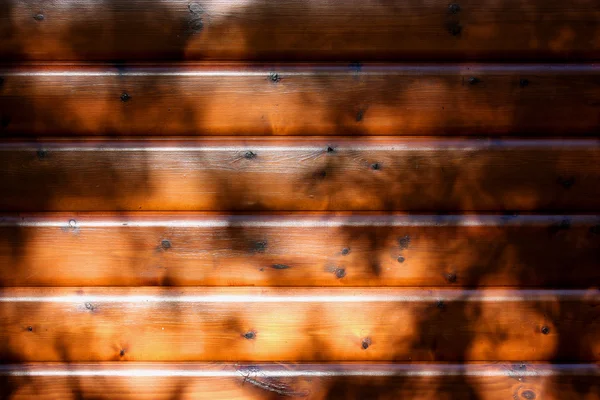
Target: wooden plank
(299, 30)
(342, 249)
(300, 174)
(333, 324)
(158, 381)
(231, 99)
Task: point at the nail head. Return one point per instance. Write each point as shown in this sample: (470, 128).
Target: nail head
(545, 330)
(366, 342)
(274, 77)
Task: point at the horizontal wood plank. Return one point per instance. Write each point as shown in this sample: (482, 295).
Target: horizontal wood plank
(301, 174)
(299, 30)
(399, 99)
(318, 249)
(227, 324)
(186, 381)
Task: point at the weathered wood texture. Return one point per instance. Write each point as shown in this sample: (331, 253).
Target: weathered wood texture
(267, 324)
(399, 99)
(301, 174)
(299, 30)
(321, 249)
(186, 381)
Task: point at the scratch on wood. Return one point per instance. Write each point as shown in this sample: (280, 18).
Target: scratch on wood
(278, 388)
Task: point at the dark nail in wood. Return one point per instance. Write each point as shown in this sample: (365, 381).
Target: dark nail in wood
(345, 251)
(274, 77)
(451, 277)
(401, 259)
(125, 97)
(366, 342)
(360, 115)
(545, 330)
(567, 183)
(165, 244)
(340, 273)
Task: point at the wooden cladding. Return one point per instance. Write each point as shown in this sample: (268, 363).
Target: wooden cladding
(276, 324)
(302, 174)
(397, 99)
(320, 199)
(299, 30)
(319, 249)
(186, 381)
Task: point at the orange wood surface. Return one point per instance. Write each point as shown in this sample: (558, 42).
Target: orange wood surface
(299, 30)
(299, 199)
(305, 99)
(276, 324)
(186, 381)
(287, 174)
(307, 249)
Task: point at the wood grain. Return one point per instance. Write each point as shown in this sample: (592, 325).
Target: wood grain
(185, 381)
(316, 249)
(299, 30)
(232, 99)
(227, 324)
(299, 174)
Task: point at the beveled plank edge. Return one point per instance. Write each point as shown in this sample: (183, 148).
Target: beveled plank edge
(296, 143)
(317, 219)
(290, 370)
(70, 295)
(257, 68)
